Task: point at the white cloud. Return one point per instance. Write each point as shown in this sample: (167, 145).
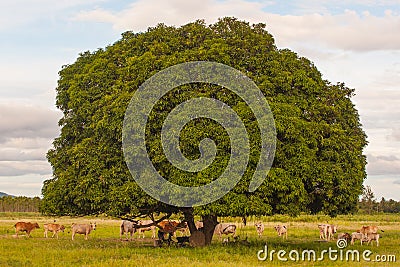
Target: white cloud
(349, 30)
(17, 168)
(18, 120)
(386, 186)
(383, 165)
(143, 14)
(26, 185)
(21, 12)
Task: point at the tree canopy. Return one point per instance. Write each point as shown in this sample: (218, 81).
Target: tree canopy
(318, 166)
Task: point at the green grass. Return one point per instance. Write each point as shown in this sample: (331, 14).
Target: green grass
(105, 249)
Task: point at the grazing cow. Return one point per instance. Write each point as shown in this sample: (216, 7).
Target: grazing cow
(83, 229)
(371, 237)
(151, 228)
(53, 227)
(281, 230)
(357, 236)
(260, 228)
(127, 227)
(370, 229)
(27, 227)
(345, 236)
(226, 229)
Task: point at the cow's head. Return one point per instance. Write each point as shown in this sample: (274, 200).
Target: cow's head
(258, 225)
(93, 226)
(62, 228)
(36, 225)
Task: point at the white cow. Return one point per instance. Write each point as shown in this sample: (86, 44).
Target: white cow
(151, 228)
(373, 236)
(327, 231)
(83, 229)
(260, 228)
(226, 229)
(357, 236)
(281, 230)
(127, 227)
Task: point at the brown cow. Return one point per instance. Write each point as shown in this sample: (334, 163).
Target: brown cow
(27, 227)
(370, 229)
(53, 227)
(345, 236)
(168, 226)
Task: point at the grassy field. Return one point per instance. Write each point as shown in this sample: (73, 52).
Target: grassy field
(104, 247)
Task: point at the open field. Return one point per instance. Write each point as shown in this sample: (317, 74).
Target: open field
(104, 247)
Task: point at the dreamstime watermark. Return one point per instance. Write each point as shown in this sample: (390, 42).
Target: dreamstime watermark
(153, 89)
(332, 254)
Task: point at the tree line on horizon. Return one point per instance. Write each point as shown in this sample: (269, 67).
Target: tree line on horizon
(367, 205)
(19, 204)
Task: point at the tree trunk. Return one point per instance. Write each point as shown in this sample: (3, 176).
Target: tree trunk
(189, 218)
(209, 223)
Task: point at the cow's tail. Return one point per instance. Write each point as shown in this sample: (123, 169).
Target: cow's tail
(382, 230)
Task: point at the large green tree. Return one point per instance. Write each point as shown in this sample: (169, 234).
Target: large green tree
(318, 166)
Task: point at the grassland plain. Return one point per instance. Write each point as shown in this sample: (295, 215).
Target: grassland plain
(104, 248)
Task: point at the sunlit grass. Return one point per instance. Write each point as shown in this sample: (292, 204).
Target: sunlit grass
(104, 247)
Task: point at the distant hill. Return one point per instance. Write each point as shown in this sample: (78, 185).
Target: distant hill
(2, 194)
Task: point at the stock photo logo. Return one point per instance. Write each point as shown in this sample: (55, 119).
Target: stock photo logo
(338, 253)
(134, 136)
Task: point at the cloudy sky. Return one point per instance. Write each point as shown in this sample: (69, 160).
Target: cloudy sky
(353, 41)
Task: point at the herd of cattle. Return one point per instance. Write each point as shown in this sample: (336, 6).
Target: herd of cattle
(365, 234)
(55, 228)
(170, 227)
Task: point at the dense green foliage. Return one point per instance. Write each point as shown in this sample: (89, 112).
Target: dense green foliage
(318, 165)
